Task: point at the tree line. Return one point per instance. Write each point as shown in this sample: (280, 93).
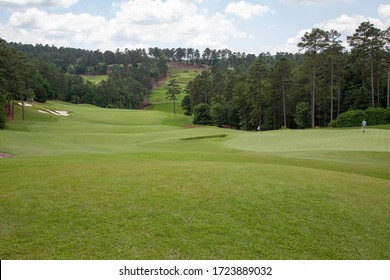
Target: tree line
(293, 91)
(243, 91)
(41, 72)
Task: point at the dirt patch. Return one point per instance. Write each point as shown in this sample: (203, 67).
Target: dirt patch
(183, 65)
(193, 126)
(2, 155)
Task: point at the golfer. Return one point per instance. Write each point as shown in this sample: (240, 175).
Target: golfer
(364, 124)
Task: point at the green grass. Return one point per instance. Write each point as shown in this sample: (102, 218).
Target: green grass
(122, 184)
(158, 96)
(96, 79)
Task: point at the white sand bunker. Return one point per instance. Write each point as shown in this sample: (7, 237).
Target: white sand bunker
(25, 104)
(56, 112)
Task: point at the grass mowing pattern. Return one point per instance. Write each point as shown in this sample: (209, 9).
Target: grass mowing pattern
(116, 184)
(158, 98)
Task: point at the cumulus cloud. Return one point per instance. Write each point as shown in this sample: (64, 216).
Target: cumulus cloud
(245, 10)
(37, 26)
(136, 24)
(151, 11)
(290, 45)
(344, 24)
(312, 2)
(384, 13)
(172, 22)
(37, 3)
(347, 24)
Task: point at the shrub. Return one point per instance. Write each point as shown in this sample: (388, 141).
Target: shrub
(110, 106)
(388, 115)
(333, 123)
(353, 118)
(376, 116)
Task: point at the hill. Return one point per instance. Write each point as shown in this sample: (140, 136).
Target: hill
(183, 73)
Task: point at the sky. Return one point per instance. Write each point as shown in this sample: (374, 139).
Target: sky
(239, 25)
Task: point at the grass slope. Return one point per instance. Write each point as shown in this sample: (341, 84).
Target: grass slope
(183, 76)
(118, 184)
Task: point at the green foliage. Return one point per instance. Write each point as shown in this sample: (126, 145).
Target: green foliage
(111, 106)
(186, 105)
(333, 123)
(373, 116)
(255, 89)
(377, 116)
(202, 114)
(219, 114)
(351, 118)
(173, 90)
(302, 115)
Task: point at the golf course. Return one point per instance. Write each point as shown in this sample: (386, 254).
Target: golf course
(99, 183)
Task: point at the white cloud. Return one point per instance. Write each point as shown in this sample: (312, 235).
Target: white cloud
(313, 2)
(347, 24)
(384, 13)
(173, 22)
(344, 24)
(152, 11)
(245, 10)
(37, 3)
(290, 45)
(37, 26)
(136, 24)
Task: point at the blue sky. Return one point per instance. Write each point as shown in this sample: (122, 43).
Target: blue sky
(240, 25)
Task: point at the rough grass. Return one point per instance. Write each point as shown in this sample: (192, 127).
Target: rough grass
(117, 184)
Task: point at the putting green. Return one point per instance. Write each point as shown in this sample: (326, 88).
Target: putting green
(373, 140)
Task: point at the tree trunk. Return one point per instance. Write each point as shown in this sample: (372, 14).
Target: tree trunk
(284, 104)
(274, 115)
(22, 100)
(8, 106)
(388, 87)
(331, 91)
(378, 91)
(260, 116)
(13, 108)
(313, 98)
(339, 96)
(372, 82)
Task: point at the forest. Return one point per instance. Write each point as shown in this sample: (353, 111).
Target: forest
(244, 91)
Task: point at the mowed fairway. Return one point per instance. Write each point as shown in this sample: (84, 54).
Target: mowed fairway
(117, 184)
(158, 98)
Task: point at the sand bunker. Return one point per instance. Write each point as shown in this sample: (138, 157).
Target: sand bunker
(56, 112)
(25, 104)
